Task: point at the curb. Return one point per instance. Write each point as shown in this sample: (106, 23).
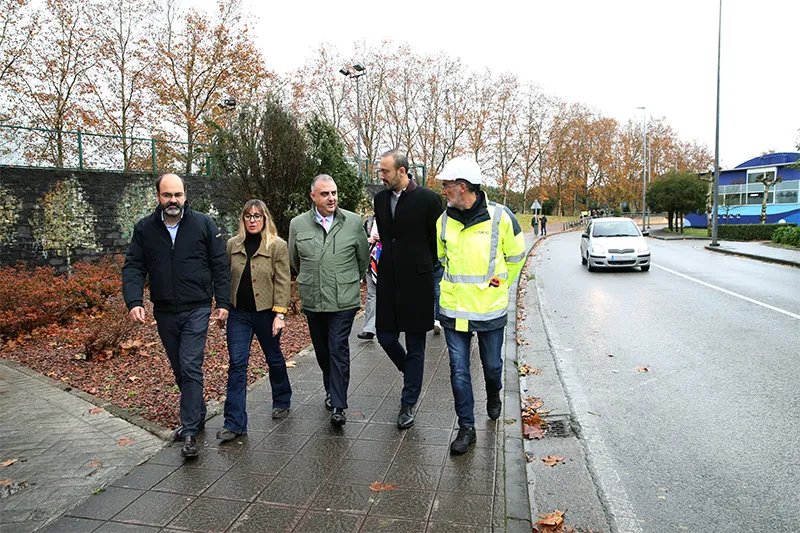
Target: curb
(765, 259)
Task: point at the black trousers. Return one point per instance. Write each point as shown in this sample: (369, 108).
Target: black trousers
(330, 335)
(410, 361)
(184, 337)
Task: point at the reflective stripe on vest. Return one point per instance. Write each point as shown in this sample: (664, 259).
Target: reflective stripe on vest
(468, 315)
(457, 278)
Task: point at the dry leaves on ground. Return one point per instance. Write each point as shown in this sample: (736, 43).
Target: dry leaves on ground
(642, 369)
(9, 462)
(552, 460)
(531, 422)
(378, 486)
(526, 370)
(125, 441)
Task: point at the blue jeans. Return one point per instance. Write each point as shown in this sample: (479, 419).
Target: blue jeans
(410, 361)
(330, 335)
(184, 337)
(438, 274)
(490, 344)
(242, 325)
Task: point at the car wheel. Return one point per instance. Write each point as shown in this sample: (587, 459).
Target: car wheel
(583, 260)
(645, 268)
(589, 266)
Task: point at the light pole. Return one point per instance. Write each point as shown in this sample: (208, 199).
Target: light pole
(228, 104)
(644, 166)
(357, 71)
(716, 142)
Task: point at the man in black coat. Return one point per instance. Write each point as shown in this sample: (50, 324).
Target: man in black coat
(182, 252)
(406, 215)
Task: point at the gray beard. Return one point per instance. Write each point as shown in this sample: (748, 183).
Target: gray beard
(173, 211)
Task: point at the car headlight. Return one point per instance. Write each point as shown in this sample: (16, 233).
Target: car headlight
(597, 249)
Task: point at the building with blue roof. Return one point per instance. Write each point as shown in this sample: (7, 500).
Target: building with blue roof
(741, 195)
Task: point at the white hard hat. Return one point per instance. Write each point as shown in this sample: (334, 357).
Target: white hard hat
(461, 168)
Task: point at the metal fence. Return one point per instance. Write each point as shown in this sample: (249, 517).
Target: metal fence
(75, 150)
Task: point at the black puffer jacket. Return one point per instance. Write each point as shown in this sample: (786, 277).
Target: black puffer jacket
(183, 276)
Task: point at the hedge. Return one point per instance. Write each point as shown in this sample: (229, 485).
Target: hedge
(787, 235)
(749, 232)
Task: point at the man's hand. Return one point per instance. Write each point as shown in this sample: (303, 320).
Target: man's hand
(220, 316)
(137, 314)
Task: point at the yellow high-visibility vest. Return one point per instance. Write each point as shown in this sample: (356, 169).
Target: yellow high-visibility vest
(473, 257)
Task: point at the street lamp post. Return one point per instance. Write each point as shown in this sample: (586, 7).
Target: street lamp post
(715, 192)
(355, 72)
(644, 166)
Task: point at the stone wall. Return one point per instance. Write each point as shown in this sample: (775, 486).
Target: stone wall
(52, 217)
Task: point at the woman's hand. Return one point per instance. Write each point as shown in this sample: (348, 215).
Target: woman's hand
(277, 325)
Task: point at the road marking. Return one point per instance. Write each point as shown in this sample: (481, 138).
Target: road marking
(731, 293)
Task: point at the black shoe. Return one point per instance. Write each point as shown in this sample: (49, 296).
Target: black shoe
(189, 446)
(338, 418)
(493, 405)
(366, 335)
(406, 417)
(177, 435)
(464, 439)
(328, 405)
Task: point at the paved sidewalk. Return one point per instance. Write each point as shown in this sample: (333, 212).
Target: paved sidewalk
(300, 474)
(65, 448)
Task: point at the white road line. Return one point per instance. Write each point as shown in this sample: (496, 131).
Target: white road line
(726, 291)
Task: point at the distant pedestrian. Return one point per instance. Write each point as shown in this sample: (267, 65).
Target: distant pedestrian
(374, 241)
(482, 248)
(260, 292)
(329, 251)
(535, 224)
(543, 222)
(182, 253)
(406, 214)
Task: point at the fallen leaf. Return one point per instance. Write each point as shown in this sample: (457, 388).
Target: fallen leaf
(134, 378)
(95, 410)
(529, 457)
(642, 369)
(291, 364)
(378, 486)
(94, 464)
(509, 421)
(9, 462)
(125, 442)
(552, 460)
(6, 482)
(532, 432)
(555, 518)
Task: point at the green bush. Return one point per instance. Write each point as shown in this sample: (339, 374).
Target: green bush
(749, 232)
(787, 235)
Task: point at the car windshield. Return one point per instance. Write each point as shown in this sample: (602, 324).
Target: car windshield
(624, 228)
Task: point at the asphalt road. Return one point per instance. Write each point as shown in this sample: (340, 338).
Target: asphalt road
(709, 438)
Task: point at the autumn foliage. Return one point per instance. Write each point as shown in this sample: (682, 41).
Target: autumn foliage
(34, 298)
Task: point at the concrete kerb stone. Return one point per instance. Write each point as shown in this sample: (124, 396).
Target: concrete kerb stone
(763, 258)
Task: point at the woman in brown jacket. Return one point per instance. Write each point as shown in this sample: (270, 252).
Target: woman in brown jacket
(260, 294)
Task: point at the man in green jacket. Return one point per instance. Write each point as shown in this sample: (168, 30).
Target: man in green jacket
(329, 251)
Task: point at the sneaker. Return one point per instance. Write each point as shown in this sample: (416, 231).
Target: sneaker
(226, 434)
(189, 446)
(494, 405)
(279, 413)
(465, 438)
(437, 327)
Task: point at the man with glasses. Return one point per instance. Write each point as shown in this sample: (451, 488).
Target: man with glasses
(182, 252)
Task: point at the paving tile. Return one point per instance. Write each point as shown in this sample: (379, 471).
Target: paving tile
(439, 419)
(238, 485)
(154, 508)
(144, 476)
(414, 476)
(347, 498)
(385, 416)
(369, 450)
(213, 458)
(406, 504)
(463, 508)
(447, 527)
(190, 481)
(69, 524)
(255, 518)
(351, 430)
(299, 426)
(170, 456)
(385, 432)
(209, 515)
(330, 522)
(428, 435)
(117, 527)
(286, 443)
(468, 479)
(264, 463)
(410, 453)
(475, 457)
(381, 524)
(106, 504)
(326, 448)
(287, 491)
(359, 471)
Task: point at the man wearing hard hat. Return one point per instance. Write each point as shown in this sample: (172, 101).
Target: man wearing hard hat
(482, 247)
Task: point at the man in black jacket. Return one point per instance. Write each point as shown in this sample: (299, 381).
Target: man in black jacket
(184, 255)
(406, 214)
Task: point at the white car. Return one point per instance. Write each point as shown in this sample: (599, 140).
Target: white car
(614, 242)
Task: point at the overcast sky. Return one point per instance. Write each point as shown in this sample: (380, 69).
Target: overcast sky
(612, 55)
